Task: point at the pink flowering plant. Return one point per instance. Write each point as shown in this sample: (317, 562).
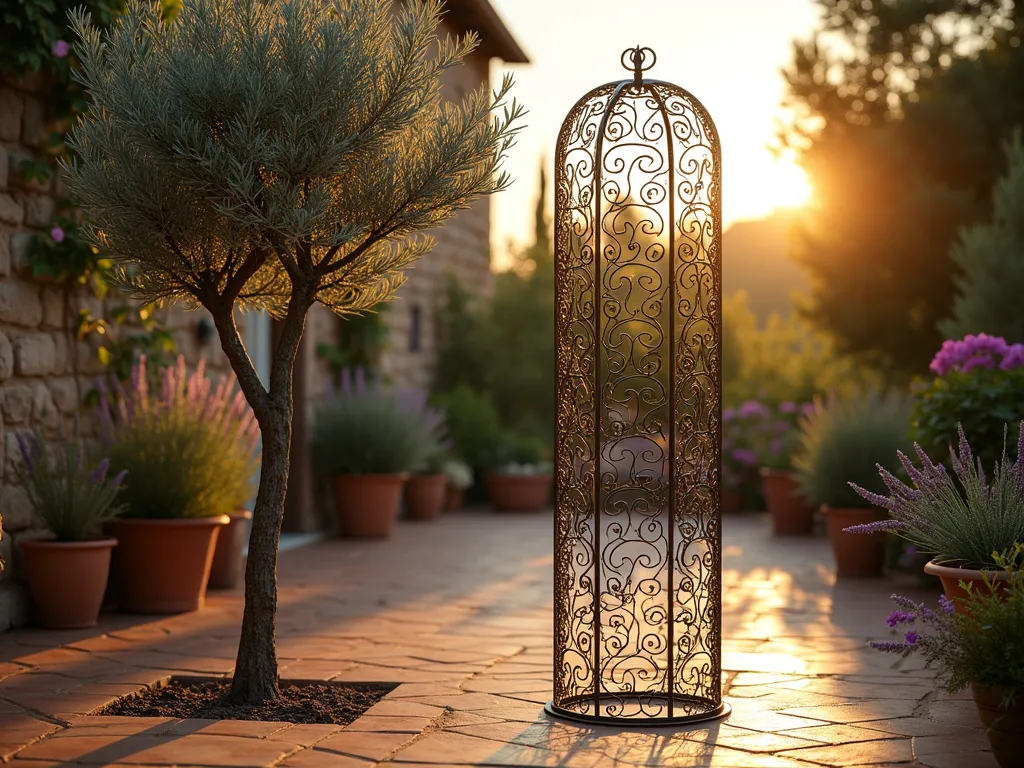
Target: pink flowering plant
(191, 448)
(960, 517)
(978, 382)
(982, 646)
(72, 495)
(757, 434)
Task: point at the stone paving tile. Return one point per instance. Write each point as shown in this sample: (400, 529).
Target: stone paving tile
(458, 613)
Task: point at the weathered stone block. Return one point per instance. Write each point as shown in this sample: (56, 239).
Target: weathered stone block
(61, 358)
(6, 358)
(11, 209)
(5, 253)
(33, 122)
(39, 210)
(64, 394)
(53, 308)
(16, 403)
(18, 512)
(34, 354)
(20, 305)
(11, 107)
(4, 167)
(43, 408)
(20, 243)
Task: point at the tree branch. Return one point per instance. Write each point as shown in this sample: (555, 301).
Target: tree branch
(245, 371)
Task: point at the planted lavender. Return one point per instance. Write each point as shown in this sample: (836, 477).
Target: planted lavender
(191, 450)
(960, 518)
(72, 496)
(983, 646)
(364, 427)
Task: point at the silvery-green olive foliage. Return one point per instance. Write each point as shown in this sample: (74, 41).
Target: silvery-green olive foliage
(250, 150)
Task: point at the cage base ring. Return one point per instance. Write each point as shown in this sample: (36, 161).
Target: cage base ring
(723, 710)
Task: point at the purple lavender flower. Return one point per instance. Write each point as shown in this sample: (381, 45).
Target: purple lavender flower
(787, 407)
(99, 474)
(911, 637)
(28, 447)
(61, 49)
(947, 605)
(900, 617)
(751, 409)
(876, 527)
(745, 456)
(889, 646)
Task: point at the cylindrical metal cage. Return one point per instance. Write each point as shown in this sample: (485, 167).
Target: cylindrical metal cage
(638, 374)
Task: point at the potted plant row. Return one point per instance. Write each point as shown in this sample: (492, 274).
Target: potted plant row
(67, 570)
(521, 476)
(459, 477)
(975, 642)
(368, 438)
(765, 435)
(841, 442)
(963, 518)
(191, 454)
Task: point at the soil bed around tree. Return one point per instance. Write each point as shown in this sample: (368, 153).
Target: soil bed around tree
(300, 702)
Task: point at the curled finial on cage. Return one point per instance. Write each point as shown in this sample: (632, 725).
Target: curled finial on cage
(639, 59)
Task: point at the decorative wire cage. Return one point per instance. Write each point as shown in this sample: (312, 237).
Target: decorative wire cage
(638, 376)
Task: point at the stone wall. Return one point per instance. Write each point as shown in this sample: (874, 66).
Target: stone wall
(463, 249)
(44, 369)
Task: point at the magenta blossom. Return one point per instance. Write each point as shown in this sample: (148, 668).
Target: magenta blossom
(977, 351)
(752, 408)
(787, 407)
(745, 456)
(57, 234)
(61, 48)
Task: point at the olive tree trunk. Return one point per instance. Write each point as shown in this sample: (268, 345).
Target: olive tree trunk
(255, 678)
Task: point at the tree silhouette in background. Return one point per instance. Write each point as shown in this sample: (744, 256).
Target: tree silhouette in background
(901, 106)
(990, 256)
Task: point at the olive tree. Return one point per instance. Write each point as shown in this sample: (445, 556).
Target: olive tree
(270, 154)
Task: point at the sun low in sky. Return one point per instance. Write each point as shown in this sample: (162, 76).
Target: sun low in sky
(728, 54)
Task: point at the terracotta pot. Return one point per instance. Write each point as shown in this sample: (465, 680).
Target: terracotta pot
(67, 580)
(731, 502)
(791, 514)
(952, 575)
(368, 504)
(162, 566)
(453, 497)
(858, 555)
(227, 568)
(1004, 727)
(425, 496)
(524, 493)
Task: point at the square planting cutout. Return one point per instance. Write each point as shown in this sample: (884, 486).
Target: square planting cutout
(302, 701)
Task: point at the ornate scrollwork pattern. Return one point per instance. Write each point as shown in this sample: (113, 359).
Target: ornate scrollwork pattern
(638, 328)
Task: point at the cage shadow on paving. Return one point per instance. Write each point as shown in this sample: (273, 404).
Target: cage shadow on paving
(638, 377)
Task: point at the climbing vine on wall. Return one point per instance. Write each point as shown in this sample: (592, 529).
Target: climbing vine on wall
(35, 50)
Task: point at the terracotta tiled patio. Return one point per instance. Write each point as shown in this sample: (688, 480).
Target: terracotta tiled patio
(459, 613)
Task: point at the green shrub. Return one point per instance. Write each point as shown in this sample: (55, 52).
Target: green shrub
(189, 453)
(842, 441)
(474, 427)
(979, 383)
(782, 360)
(366, 428)
(72, 500)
